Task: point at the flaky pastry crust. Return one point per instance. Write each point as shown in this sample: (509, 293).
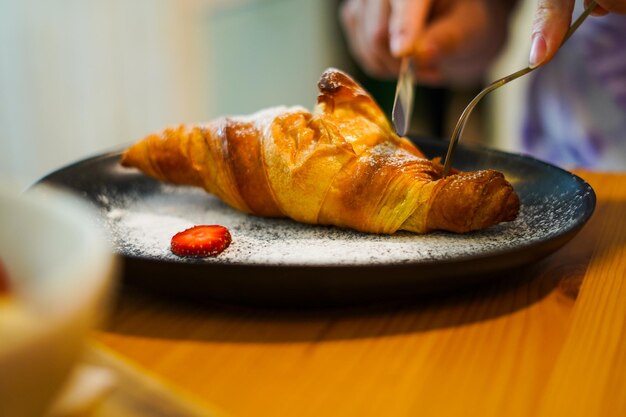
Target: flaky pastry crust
(341, 165)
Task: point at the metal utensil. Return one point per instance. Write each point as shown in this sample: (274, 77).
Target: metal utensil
(403, 101)
(458, 130)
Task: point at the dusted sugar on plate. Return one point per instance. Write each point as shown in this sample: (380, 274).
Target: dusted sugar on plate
(142, 225)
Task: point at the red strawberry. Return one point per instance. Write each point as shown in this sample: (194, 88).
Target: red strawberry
(201, 241)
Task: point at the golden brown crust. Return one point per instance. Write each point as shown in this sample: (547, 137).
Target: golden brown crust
(341, 165)
(244, 158)
(472, 201)
(173, 162)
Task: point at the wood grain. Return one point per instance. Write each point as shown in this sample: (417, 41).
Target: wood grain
(589, 377)
(527, 344)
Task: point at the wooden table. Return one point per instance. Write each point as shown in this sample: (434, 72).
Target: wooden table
(549, 340)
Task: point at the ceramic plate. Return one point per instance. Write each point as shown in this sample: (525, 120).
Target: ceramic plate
(279, 261)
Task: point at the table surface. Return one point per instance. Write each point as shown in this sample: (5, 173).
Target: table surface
(547, 340)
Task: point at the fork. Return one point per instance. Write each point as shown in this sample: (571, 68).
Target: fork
(458, 130)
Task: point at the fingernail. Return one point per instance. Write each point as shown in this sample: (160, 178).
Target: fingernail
(538, 50)
(397, 43)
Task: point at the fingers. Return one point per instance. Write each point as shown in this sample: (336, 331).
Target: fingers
(366, 24)
(552, 19)
(461, 28)
(406, 23)
(597, 11)
(612, 6)
(376, 35)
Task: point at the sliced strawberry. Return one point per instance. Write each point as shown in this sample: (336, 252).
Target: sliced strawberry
(201, 241)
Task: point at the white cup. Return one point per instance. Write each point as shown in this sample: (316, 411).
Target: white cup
(60, 271)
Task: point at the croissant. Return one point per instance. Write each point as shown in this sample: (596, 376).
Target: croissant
(340, 165)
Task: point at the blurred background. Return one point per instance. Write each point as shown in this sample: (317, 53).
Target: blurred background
(81, 77)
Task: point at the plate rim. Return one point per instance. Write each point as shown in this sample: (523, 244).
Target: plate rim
(563, 235)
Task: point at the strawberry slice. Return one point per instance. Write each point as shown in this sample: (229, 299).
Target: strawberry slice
(201, 241)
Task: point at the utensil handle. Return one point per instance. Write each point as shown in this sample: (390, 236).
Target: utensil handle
(458, 129)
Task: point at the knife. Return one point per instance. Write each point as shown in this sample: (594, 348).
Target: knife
(403, 101)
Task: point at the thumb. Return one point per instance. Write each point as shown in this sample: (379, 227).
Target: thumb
(406, 23)
(551, 22)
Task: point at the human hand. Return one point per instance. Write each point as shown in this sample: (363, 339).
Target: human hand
(369, 24)
(552, 20)
(451, 40)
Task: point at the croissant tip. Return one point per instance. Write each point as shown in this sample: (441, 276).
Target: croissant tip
(512, 207)
(125, 159)
(332, 79)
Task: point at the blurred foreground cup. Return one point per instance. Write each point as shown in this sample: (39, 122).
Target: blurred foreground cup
(58, 275)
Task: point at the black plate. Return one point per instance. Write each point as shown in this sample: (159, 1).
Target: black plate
(278, 261)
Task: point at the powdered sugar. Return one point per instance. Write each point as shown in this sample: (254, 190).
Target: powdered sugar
(143, 224)
(263, 118)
